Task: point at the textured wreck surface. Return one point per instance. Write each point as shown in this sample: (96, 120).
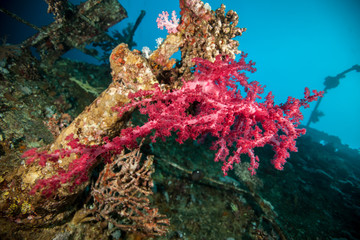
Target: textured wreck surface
(85, 184)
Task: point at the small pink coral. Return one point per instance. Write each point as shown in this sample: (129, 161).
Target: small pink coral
(170, 25)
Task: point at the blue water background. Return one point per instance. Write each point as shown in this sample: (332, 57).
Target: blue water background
(295, 44)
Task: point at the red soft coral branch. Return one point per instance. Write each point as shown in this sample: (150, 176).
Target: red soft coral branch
(227, 107)
(219, 101)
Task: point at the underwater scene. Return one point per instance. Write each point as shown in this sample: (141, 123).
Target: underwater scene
(179, 119)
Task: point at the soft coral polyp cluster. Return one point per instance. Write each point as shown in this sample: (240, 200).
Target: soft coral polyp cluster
(219, 100)
(226, 106)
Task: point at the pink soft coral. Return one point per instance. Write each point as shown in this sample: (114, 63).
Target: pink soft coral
(219, 101)
(224, 111)
(170, 25)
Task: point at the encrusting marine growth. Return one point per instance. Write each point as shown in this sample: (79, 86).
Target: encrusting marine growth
(207, 92)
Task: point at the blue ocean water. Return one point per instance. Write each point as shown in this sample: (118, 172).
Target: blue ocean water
(294, 44)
